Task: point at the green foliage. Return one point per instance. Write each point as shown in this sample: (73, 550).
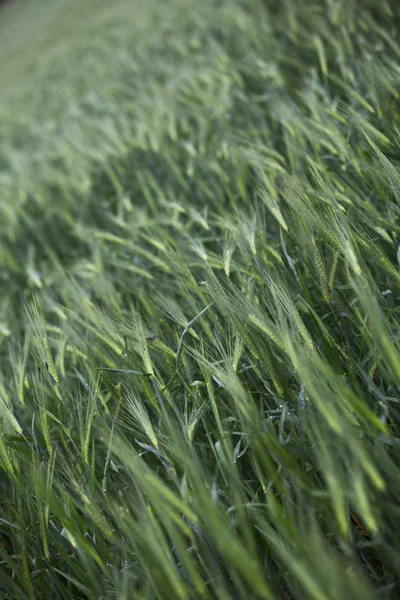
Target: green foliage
(199, 330)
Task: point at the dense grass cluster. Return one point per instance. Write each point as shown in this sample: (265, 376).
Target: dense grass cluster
(199, 316)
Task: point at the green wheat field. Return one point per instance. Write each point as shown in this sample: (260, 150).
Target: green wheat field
(199, 300)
